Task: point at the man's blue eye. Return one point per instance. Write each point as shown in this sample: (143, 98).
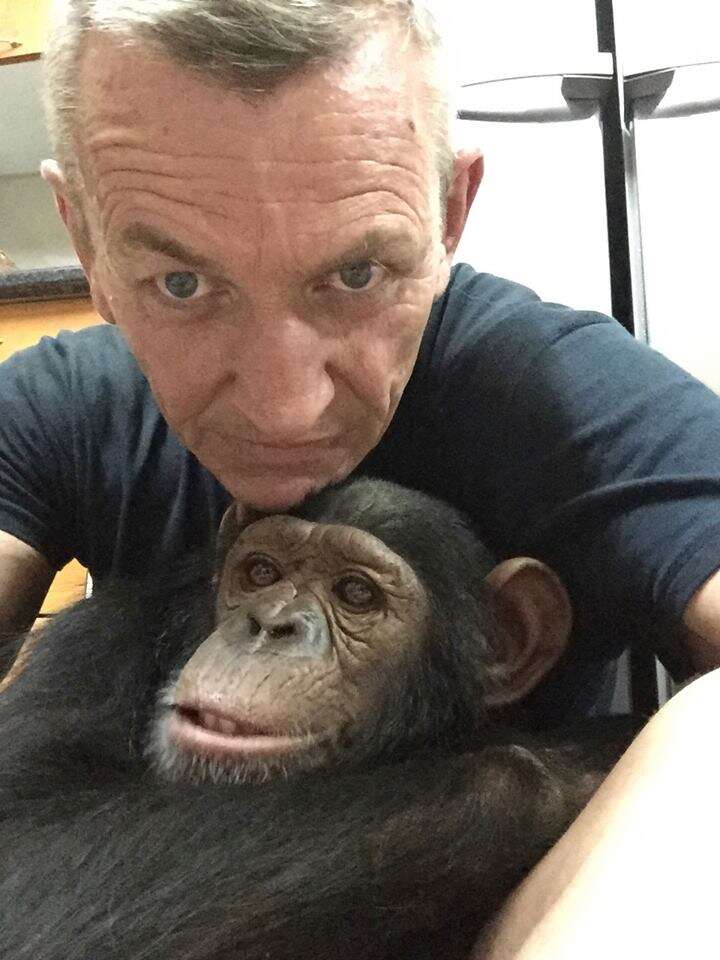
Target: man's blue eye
(356, 276)
(181, 284)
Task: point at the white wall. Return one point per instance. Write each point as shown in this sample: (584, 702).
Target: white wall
(539, 217)
(656, 33)
(678, 164)
(31, 231)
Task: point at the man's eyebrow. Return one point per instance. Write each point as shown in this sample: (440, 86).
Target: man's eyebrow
(401, 245)
(140, 236)
(395, 244)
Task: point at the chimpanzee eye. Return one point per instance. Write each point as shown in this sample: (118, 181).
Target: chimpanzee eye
(357, 592)
(261, 571)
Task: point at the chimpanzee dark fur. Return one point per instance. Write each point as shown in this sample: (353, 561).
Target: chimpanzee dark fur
(405, 858)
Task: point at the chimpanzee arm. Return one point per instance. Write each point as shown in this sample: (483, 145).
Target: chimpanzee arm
(337, 866)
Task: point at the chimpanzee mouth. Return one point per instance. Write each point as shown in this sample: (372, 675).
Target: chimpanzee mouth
(209, 720)
(206, 732)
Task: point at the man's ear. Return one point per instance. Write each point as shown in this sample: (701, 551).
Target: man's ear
(468, 172)
(53, 175)
(467, 176)
(534, 617)
(76, 226)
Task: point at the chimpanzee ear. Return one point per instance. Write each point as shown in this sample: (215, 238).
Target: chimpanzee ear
(534, 617)
(235, 519)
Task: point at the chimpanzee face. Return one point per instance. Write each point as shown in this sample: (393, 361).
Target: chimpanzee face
(331, 646)
(315, 623)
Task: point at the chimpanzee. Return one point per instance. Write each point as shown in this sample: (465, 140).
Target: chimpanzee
(306, 754)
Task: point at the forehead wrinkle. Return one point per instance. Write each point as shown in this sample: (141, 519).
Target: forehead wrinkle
(353, 543)
(297, 536)
(361, 161)
(377, 241)
(219, 187)
(204, 189)
(108, 153)
(290, 533)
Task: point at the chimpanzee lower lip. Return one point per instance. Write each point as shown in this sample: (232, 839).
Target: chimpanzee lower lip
(185, 728)
(221, 723)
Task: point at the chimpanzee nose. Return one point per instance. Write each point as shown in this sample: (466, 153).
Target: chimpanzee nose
(279, 625)
(295, 629)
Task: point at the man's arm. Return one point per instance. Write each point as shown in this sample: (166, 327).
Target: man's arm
(631, 876)
(634, 876)
(25, 577)
(702, 618)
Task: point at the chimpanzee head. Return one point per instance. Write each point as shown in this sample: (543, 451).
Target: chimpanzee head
(369, 623)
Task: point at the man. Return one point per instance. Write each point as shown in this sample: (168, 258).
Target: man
(263, 199)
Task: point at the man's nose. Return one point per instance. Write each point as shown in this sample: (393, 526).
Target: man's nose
(282, 382)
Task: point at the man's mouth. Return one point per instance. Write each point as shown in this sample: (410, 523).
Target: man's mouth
(259, 458)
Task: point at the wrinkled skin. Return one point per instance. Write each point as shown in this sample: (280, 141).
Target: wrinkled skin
(272, 264)
(314, 621)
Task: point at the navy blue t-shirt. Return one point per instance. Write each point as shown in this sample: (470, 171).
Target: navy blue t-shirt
(560, 435)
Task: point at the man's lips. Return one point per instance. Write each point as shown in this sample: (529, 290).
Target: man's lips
(321, 443)
(257, 456)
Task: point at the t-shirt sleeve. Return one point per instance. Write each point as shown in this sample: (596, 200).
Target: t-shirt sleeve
(626, 468)
(583, 447)
(38, 445)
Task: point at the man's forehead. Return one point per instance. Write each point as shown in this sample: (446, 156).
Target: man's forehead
(328, 178)
(126, 85)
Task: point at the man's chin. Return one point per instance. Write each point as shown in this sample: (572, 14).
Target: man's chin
(276, 496)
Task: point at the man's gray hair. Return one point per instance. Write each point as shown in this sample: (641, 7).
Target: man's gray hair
(248, 45)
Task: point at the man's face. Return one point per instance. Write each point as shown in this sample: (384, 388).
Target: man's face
(271, 265)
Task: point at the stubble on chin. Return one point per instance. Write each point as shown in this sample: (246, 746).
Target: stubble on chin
(266, 489)
(273, 495)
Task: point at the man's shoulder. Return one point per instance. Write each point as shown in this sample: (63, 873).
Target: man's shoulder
(88, 362)
(484, 324)
(95, 348)
(470, 289)
(478, 306)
